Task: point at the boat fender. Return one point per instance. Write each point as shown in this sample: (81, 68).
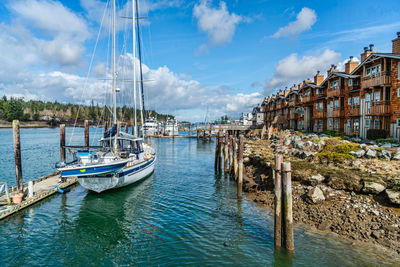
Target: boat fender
(62, 191)
(147, 155)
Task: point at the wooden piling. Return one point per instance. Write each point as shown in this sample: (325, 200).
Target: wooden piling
(127, 127)
(62, 142)
(105, 126)
(230, 155)
(220, 150)
(216, 151)
(240, 167)
(287, 206)
(278, 201)
(118, 128)
(86, 125)
(210, 135)
(197, 133)
(189, 129)
(226, 144)
(235, 158)
(17, 156)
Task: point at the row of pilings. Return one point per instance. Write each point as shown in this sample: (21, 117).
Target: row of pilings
(229, 159)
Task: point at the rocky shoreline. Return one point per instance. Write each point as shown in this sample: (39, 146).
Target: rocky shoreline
(355, 198)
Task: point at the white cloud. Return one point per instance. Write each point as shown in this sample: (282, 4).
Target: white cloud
(218, 23)
(48, 31)
(293, 69)
(304, 21)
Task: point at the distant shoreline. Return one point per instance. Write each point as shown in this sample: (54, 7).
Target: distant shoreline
(35, 124)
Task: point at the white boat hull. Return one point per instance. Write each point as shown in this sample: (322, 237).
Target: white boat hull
(126, 177)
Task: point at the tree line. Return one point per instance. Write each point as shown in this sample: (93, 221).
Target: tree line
(35, 110)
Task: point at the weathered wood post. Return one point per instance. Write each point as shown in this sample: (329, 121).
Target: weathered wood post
(216, 152)
(210, 135)
(62, 142)
(127, 127)
(235, 158)
(86, 125)
(17, 156)
(197, 133)
(240, 167)
(105, 126)
(221, 150)
(278, 201)
(118, 128)
(189, 130)
(287, 206)
(226, 144)
(230, 155)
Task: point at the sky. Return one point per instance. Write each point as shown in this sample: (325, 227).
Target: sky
(201, 59)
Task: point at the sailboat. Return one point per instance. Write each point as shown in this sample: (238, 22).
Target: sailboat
(121, 158)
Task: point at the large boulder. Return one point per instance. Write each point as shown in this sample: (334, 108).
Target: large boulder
(393, 196)
(387, 145)
(370, 153)
(372, 187)
(300, 145)
(385, 154)
(358, 154)
(316, 179)
(315, 195)
(306, 154)
(397, 156)
(287, 142)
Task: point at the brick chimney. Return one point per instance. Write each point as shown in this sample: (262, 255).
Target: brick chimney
(333, 69)
(396, 44)
(318, 78)
(367, 52)
(350, 65)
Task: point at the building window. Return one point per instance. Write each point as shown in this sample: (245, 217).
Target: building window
(371, 71)
(367, 122)
(377, 96)
(398, 122)
(349, 101)
(376, 124)
(356, 125)
(350, 82)
(398, 92)
(334, 84)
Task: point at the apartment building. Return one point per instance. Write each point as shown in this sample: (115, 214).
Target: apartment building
(366, 95)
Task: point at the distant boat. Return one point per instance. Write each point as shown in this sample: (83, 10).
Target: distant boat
(122, 158)
(171, 127)
(151, 127)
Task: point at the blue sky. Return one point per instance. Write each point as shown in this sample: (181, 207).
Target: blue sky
(224, 56)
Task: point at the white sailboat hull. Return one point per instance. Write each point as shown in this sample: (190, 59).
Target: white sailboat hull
(126, 177)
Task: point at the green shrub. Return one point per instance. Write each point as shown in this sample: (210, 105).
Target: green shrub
(26, 117)
(337, 151)
(373, 134)
(36, 117)
(332, 133)
(382, 140)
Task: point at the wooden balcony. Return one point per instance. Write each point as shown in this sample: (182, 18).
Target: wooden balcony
(319, 114)
(354, 110)
(292, 103)
(333, 93)
(335, 112)
(278, 106)
(306, 98)
(378, 108)
(376, 79)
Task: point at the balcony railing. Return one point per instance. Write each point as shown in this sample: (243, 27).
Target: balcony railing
(278, 106)
(354, 110)
(333, 93)
(376, 79)
(378, 108)
(335, 112)
(292, 103)
(306, 98)
(319, 114)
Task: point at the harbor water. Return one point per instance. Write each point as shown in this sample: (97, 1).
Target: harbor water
(183, 214)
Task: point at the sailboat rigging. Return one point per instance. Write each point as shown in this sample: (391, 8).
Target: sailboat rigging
(122, 158)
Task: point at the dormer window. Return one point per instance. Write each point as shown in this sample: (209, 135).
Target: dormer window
(371, 71)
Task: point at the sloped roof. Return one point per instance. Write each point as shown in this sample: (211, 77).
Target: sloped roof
(340, 74)
(375, 56)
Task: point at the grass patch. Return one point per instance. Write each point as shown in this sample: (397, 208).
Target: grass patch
(336, 151)
(385, 140)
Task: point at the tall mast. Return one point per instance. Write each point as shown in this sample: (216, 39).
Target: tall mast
(142, 110)
(134, 65)
(114, 72)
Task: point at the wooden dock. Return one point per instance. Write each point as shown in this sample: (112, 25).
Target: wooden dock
(42, 188)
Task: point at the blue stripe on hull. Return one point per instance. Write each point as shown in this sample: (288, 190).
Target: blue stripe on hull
(136, 168)
(86, 171)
